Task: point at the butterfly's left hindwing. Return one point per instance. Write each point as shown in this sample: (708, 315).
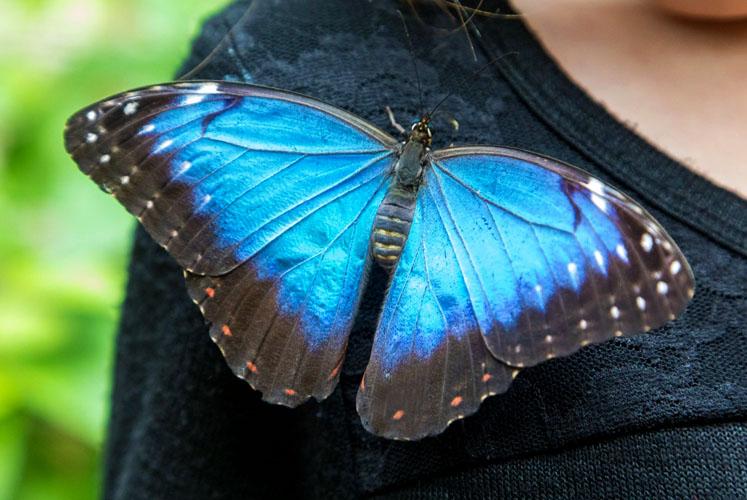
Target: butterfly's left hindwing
(266, 198)
(429, 365)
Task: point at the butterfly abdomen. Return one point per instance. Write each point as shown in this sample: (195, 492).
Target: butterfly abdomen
(392, 225)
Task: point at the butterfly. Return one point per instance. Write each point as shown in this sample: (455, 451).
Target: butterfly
(276, 204)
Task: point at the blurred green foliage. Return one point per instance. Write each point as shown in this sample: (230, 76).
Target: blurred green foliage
(63, 243)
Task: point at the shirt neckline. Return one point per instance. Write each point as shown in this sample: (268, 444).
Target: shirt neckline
(630, 160)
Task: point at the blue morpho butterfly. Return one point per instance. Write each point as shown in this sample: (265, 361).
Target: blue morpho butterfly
(275, 204)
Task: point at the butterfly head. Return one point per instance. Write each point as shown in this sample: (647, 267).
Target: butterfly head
(421, 131)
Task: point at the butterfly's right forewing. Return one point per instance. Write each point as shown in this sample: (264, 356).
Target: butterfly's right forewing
(265, 198)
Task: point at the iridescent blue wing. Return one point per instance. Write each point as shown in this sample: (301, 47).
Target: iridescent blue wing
(428, 365)
(533, 257)
(265, 198)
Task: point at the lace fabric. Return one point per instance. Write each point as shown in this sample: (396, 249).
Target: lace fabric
(182, 425)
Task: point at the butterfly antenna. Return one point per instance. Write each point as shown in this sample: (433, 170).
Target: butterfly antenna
(227, 38)
(471, 76)
(412, 58)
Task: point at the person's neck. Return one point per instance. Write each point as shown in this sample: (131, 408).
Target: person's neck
(678, 82)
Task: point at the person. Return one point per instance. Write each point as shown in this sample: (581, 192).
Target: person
(659, 415)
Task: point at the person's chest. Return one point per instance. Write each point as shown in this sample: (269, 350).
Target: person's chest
(678, 83)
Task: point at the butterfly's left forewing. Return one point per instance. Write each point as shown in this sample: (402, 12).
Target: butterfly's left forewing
(266, 199)
(513, 259)
(557, 259)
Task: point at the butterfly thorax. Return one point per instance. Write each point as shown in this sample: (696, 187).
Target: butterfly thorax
(408, 169)
(395, 214)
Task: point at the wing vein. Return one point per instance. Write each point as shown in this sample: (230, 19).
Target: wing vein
(447, 333)
(466, 250)
(236, 245)
(491, 203)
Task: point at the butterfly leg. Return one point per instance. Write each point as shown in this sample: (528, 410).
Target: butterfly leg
(393, 121)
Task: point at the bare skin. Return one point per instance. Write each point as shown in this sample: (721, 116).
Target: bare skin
(675, 71)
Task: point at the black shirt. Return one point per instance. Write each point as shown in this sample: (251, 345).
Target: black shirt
(659, 415)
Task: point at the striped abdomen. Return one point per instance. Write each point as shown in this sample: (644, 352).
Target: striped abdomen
(392, 224)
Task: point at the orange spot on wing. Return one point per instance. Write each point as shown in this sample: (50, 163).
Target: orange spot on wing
(363, 383)
(251, 366)
(289, 392)
(210, 292)
(335, 371)
(398, 414)
(226, 331)
(456, 401)
(486, 377)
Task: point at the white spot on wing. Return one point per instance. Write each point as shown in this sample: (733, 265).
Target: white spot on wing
(621, 252)
(595, 186)
(600, 202)
(572, 270)
(91, 137)
(130, 108)
(125, 179)
(208, 88)
(163, 145)
(193, 99)
(597, 191)
(91, 115)
(662, 287)
(599, 259)
(583, 324)
(105, 159)
(641, 303)
(675, 267)
(614, 312)
(148, 128)
(647, 242)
